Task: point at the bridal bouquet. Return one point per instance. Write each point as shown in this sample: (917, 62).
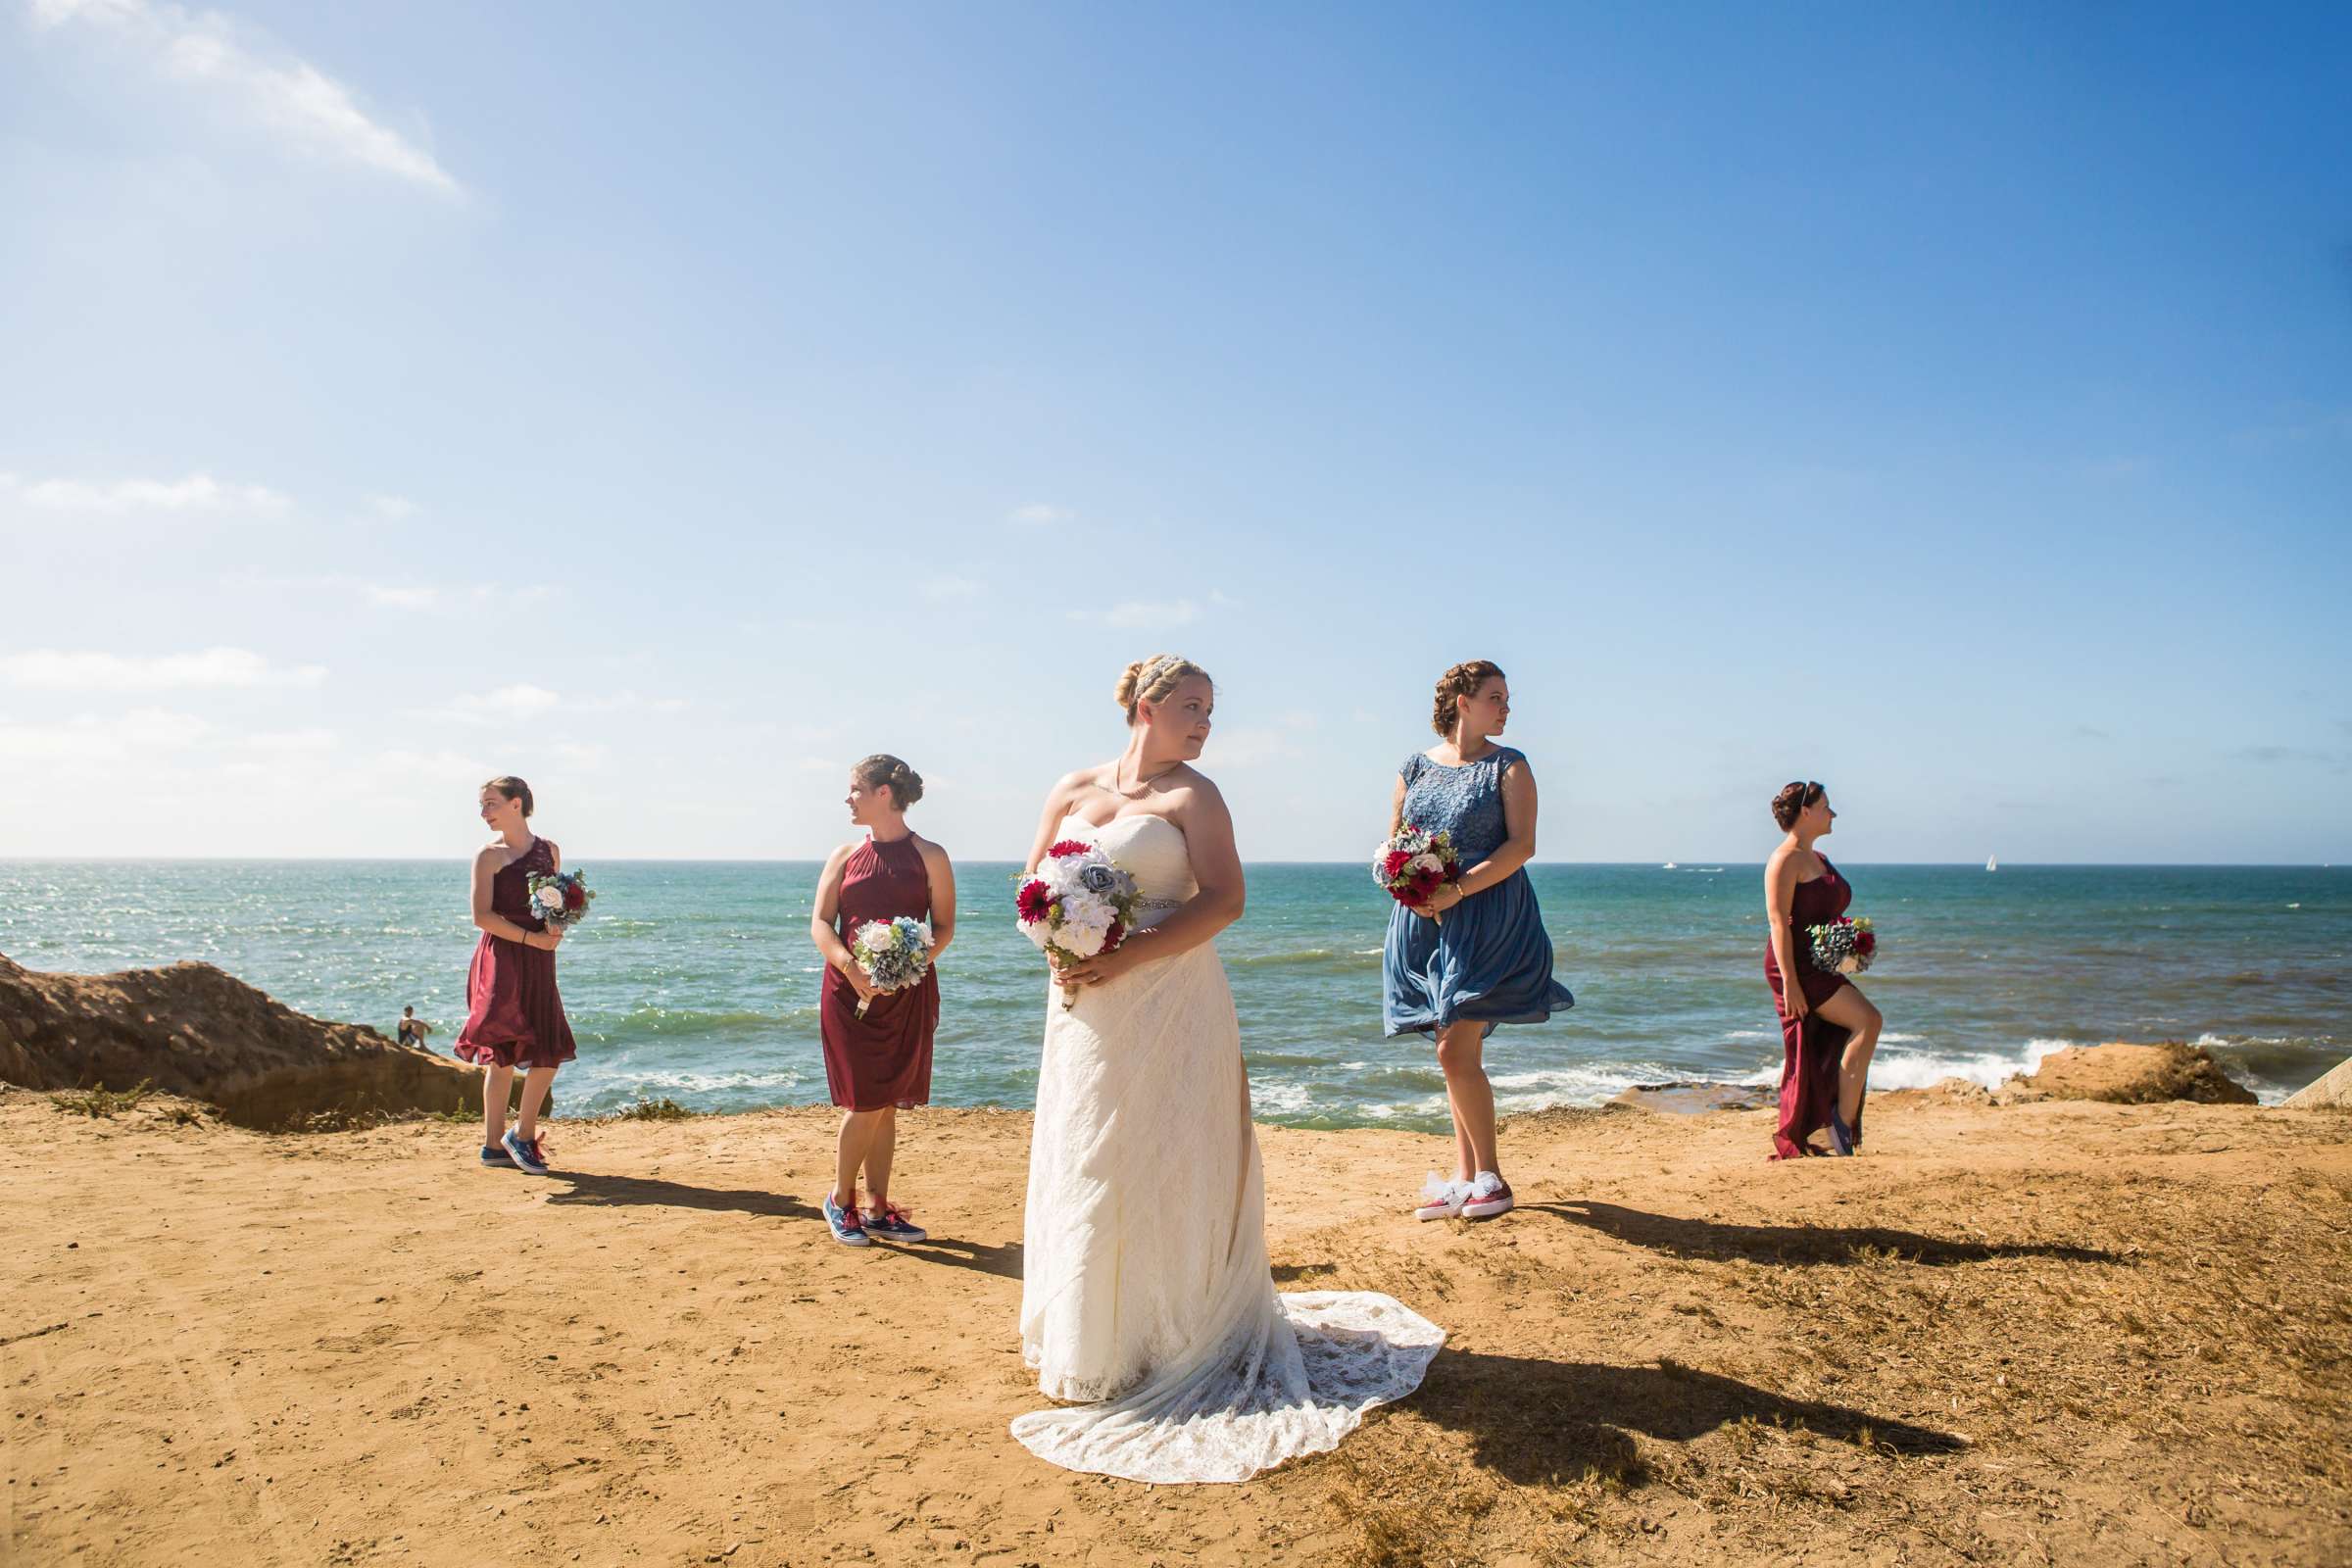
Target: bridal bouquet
(895, 953)
(1844, 946)
(1413, 862)
(560, 899)
(1077, 905)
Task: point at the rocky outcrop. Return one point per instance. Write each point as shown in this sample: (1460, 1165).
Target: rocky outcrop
(189, 1029)
(1692, 1097)
(2333, 1091)
(2128, 1076)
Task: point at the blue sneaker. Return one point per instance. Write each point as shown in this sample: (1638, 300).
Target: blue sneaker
(892, 1224)
(494, 1155)
(848, 1229)
(526, 1155)
(1841, 1142)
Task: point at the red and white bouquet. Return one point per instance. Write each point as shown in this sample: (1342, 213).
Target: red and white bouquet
(1414, 863)
(560, 898)
(1078, 904)
(1844, 946)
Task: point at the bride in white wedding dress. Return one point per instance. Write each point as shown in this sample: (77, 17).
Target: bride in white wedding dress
(1146, 1297)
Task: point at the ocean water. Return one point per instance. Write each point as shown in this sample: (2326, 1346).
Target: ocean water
(697, 981)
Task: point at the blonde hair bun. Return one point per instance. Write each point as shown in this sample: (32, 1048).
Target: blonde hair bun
(1148, 680)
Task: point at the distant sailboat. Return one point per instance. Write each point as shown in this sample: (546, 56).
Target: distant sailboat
(1993, 862)
(1669, 867)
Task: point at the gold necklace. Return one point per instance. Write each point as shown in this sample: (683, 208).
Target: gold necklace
(1126, 794)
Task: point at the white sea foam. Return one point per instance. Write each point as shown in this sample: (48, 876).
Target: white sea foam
(1580, 1085)
(707, 1082)
(1918, 1069)
(1276, 1098)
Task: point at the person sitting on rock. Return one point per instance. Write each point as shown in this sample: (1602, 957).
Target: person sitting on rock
(412, 1029)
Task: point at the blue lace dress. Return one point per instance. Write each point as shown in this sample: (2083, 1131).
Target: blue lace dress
(1489, 958)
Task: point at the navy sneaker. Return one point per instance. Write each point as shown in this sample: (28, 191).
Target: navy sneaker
(1841, 1142)
(494, 1155)
(525, 1155)
(893, 1224)
(848, 1229)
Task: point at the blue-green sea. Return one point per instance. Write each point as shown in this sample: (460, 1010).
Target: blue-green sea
(697, 981)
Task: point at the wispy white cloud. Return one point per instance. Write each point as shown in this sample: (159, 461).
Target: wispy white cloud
(951, 590)
(91, 739)
(446, 599)
(629, 701)
(290, 741)
(289, 96)
(393, 509)
(57, 670)
(431, 767)
(505, 706)
(1040, 515)
(1140, 614)
(198, 492)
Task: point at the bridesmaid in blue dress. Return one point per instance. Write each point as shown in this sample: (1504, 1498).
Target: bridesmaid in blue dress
(1476, 954)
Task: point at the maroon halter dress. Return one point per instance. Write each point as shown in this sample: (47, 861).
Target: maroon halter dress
(884, 1058)
(514, 1016)
(1811, 1045)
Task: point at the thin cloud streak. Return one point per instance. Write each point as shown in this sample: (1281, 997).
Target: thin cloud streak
(61, 670)
(198, 492)
(289, 96)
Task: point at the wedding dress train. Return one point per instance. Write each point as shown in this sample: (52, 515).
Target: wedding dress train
(1145, 1289)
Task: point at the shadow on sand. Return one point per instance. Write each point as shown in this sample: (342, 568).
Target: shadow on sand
(1540, 1422)
(1795, 1243)
(621, 1192)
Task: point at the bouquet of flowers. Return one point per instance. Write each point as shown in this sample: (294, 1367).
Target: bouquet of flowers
(1844, 946)
(560, 899)
(1413, 862)
(1079, 902)
(895, 953)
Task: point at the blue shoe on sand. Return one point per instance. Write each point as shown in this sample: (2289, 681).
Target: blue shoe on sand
(494, 1155)
(848, 1229)
(525, 1155)
(890, 1223)
(1842, 1140)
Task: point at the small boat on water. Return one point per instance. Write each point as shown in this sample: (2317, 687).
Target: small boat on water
(1993, 862)
(1669, 866)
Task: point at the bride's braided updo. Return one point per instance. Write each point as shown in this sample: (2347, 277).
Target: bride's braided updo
(1462, 680)
(1148, 680)
(905, 784)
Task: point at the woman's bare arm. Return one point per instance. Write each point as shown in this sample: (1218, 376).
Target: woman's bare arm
(942, 875)
(486, 866)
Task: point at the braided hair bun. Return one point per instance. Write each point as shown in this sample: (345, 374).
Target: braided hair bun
(1148, 680)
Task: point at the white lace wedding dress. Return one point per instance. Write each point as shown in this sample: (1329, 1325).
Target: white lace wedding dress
(1144, 1289)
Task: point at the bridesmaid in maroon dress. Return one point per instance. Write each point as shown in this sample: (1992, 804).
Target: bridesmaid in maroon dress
(1828, 1028)
(881, 1062)
(514, 1016)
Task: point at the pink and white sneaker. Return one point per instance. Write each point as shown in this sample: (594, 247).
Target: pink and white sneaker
(1487, 1197)
(1441, 1198)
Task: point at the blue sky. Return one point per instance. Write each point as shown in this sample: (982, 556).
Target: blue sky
(1951, 403)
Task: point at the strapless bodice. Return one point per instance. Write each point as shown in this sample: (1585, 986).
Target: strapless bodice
(1151, 850)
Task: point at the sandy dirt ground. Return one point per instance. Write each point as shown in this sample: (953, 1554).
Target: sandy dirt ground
(2058, 1333)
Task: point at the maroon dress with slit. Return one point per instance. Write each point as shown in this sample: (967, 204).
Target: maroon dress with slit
(884, 1058)
(1811, 1045)
(513, 1017)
